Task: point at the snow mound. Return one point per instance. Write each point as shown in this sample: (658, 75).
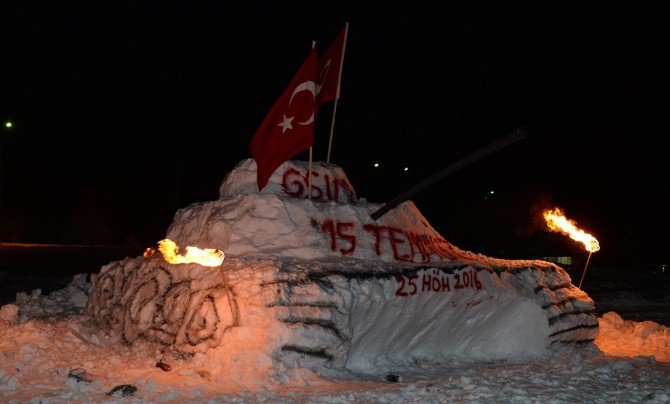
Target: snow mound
(329, 182)
(63, 302)
(319, 284)
(9, 313)
(281, 222)
(630, 338)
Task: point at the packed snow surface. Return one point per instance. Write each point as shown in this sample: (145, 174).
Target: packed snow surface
(54, 356)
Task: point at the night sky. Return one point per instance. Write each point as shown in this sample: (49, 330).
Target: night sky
(125, 111)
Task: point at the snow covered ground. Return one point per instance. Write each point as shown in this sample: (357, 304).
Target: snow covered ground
(50, 353)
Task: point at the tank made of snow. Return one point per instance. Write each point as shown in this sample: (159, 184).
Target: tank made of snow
(319, 284)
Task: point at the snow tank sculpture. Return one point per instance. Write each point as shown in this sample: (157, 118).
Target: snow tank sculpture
(320, 284)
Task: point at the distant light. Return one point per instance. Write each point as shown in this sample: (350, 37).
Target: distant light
(406, 168)
(492, 192)
(8, 124)
(376, 165)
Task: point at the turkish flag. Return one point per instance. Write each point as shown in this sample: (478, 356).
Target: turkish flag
(330, 70)
(288, 128)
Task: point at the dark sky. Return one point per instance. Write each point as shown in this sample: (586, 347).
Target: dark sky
(125, 111)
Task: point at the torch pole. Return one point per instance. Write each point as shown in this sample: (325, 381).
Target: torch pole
(234, 310)
(585, 266)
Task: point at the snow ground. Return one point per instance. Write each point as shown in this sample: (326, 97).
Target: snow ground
(48, 341)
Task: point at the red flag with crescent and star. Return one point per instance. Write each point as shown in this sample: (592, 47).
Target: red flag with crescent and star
(330, 70)
(288, 128)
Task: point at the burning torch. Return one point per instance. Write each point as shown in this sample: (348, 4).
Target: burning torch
(557, 222)
(207, 257)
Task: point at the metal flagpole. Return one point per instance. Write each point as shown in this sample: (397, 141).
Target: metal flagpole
(339, 81)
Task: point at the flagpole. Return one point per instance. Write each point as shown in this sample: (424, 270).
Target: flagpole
(309, 166)
(339, 80)
(332, 127)
(309, 175)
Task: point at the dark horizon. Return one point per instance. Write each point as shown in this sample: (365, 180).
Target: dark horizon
(125, 112)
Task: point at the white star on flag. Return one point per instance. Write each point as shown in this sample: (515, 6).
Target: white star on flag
(271, 146)
(286, 124)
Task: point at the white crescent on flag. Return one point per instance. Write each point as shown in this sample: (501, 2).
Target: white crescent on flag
(322, 75)
(287, 122)
(306, 86)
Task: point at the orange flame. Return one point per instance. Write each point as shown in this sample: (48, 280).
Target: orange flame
(557, 222)
(209, 257)
(149, 252)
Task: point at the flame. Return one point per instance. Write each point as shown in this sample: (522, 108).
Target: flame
(149, 252)
(557, 222)
(209, 257)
